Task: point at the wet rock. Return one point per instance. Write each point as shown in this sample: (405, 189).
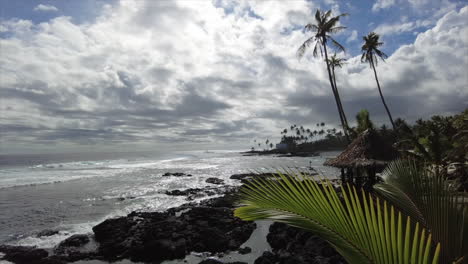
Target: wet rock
(247, 177)
(76, 247)
(245, 250)
(152, 237)
(240, 176)
(214, 181)
(294, 245)
(215, 261)
(267, 258)
(176, 174)
(229, 200)
(47, 232)
(71, 245)
(190, 191)
(26, 255)
(74, 241)
(194, 193)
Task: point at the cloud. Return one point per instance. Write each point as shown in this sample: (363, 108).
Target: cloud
(180, 73)
(382, 4)
(352, 37)
(401, 27)
(46, 8)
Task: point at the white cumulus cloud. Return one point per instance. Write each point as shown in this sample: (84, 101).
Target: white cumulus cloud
(186, 72)
(382, 4)
(46, 8)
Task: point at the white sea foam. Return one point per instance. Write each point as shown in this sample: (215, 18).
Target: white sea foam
(110, 188)
(60, 172)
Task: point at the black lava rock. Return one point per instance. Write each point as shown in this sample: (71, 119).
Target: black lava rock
(214, 181)
(245, 250)
(267, 258)
(294, 245)
(176, 174)
(47, 232)
(214, 261)
(152, 237)
(23, 255)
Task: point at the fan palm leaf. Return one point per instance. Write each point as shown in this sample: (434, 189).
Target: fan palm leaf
(426, 197)
(362, 228)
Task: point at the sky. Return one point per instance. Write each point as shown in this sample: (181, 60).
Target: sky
(110, 75)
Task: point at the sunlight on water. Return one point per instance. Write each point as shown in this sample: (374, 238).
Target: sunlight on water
(71, 197)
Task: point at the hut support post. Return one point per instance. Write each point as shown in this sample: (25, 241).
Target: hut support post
(358, 177)
(371, 176)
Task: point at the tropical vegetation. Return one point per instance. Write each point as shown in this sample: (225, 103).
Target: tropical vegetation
(425, 197)
(418, 214)
(362, 227)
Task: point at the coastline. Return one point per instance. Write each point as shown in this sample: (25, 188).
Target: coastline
(205, 232)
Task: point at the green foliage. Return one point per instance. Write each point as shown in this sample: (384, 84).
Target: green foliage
(363, 121)
(301, 139)
(425, 197)
(370, 49)
(439, 140)
(361, 227)
(324, 25)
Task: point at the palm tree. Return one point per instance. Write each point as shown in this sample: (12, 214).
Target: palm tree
(336, 62)
(325, 25)
(371, 53)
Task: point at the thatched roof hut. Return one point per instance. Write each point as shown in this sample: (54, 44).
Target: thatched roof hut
(367, 150)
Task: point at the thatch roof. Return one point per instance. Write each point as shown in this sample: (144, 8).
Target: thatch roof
(367, 150)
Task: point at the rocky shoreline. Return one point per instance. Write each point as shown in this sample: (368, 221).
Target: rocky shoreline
(279, 153)
(207, 228)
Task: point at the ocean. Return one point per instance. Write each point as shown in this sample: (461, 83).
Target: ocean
(70, 193)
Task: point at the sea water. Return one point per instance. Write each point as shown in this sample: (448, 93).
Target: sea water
(71, 193)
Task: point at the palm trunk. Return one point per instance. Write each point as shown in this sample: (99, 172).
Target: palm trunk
(381, 96)
(334, 92)
(339, 100)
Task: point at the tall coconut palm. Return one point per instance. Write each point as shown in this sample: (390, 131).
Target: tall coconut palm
(336, 62)
(371, 54)
(325, 25)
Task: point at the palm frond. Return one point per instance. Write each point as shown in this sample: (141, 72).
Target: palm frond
(302, 49)
(311, 27)
(324, 24)
(424, 196)
(370, 49)
(334, 61)
(381, 54)
(326, 15)
(364, 57)
(335, 43)
(362, 228)
(314, 52)
(337, 29)
(318, 16)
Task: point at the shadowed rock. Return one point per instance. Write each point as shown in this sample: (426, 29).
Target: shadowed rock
(160, 236)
